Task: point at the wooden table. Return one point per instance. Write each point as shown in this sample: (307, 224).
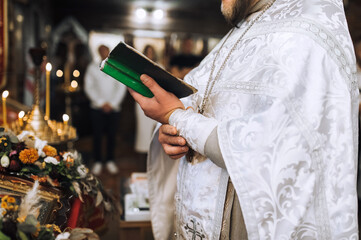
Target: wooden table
(134, 230)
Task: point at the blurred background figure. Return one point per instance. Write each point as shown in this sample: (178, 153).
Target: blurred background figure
(105, 95)
(144, 125)
(180, 65)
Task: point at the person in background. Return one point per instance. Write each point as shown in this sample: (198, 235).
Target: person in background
(144, 125)
(105, 95)
(181, 64)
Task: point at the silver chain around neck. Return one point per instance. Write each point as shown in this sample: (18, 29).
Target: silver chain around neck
(211, 81)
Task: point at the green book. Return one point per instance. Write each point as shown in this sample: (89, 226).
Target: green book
(126, 65)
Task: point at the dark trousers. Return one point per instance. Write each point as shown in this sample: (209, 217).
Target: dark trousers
(104, 123)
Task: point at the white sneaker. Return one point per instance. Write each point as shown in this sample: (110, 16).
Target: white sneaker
(97, 168)
(112, 167)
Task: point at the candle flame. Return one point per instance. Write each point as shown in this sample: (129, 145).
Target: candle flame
(59, 73)
(5, 94)
(48, 67)
(76, 73)
(21, 114)
(65, 117)
(74, 84)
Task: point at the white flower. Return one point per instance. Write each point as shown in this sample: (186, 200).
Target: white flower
(63, 236)
(66, 155)
(2, 210)
(51, 160)
(27, 138)
(39, 145)
(82, 170)
(73, 155)
(23, 135)
(5, 161)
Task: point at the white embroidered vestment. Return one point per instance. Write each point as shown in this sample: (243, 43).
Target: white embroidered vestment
(285, 108)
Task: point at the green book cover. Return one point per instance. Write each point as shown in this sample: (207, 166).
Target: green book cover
(126, 65)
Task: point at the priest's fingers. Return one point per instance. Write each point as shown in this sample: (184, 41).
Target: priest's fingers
(175, 157)
(168, 129)
(174, 150)
(172, 140)
(152, 85)
(139, 98)
(167, 136)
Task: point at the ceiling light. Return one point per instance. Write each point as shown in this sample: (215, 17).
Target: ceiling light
(141, 13)
(158, 14)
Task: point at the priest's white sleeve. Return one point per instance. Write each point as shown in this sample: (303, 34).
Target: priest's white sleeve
(204, 134)
(194, 127)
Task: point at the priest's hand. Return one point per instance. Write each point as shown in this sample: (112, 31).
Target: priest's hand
(159, 107)
(174, 146)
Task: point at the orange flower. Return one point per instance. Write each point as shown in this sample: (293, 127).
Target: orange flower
(69, 162)
(55, 227)
(21, 219)
(28, 156)
(4, 205)
(42, 179)
(50, 151)
(34, 177)
(11, 200)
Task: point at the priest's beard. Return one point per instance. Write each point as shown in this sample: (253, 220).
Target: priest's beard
(236, 11)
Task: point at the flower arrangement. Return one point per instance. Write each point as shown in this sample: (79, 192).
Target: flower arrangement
(28, 156)
(19, 222)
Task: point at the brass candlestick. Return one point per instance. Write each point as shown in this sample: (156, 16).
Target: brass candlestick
(50, 130)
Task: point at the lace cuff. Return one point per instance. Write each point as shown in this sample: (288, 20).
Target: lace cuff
(194, 127)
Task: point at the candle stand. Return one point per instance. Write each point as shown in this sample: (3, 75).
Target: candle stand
(35, 121)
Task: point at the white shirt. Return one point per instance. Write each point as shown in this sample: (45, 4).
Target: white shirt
(101, 88)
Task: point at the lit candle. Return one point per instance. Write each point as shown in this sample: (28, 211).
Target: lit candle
(65, 119)
(74, 84)
(47, 105)
(76, 73)
(21, 115)
(4, 96)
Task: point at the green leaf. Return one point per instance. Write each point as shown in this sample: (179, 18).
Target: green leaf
(3, 236)
(29, 225)
(22, 235)
(31, 169)
(13, 139)
(46, 234)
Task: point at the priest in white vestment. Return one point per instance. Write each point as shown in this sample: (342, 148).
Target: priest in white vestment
(271, 134)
